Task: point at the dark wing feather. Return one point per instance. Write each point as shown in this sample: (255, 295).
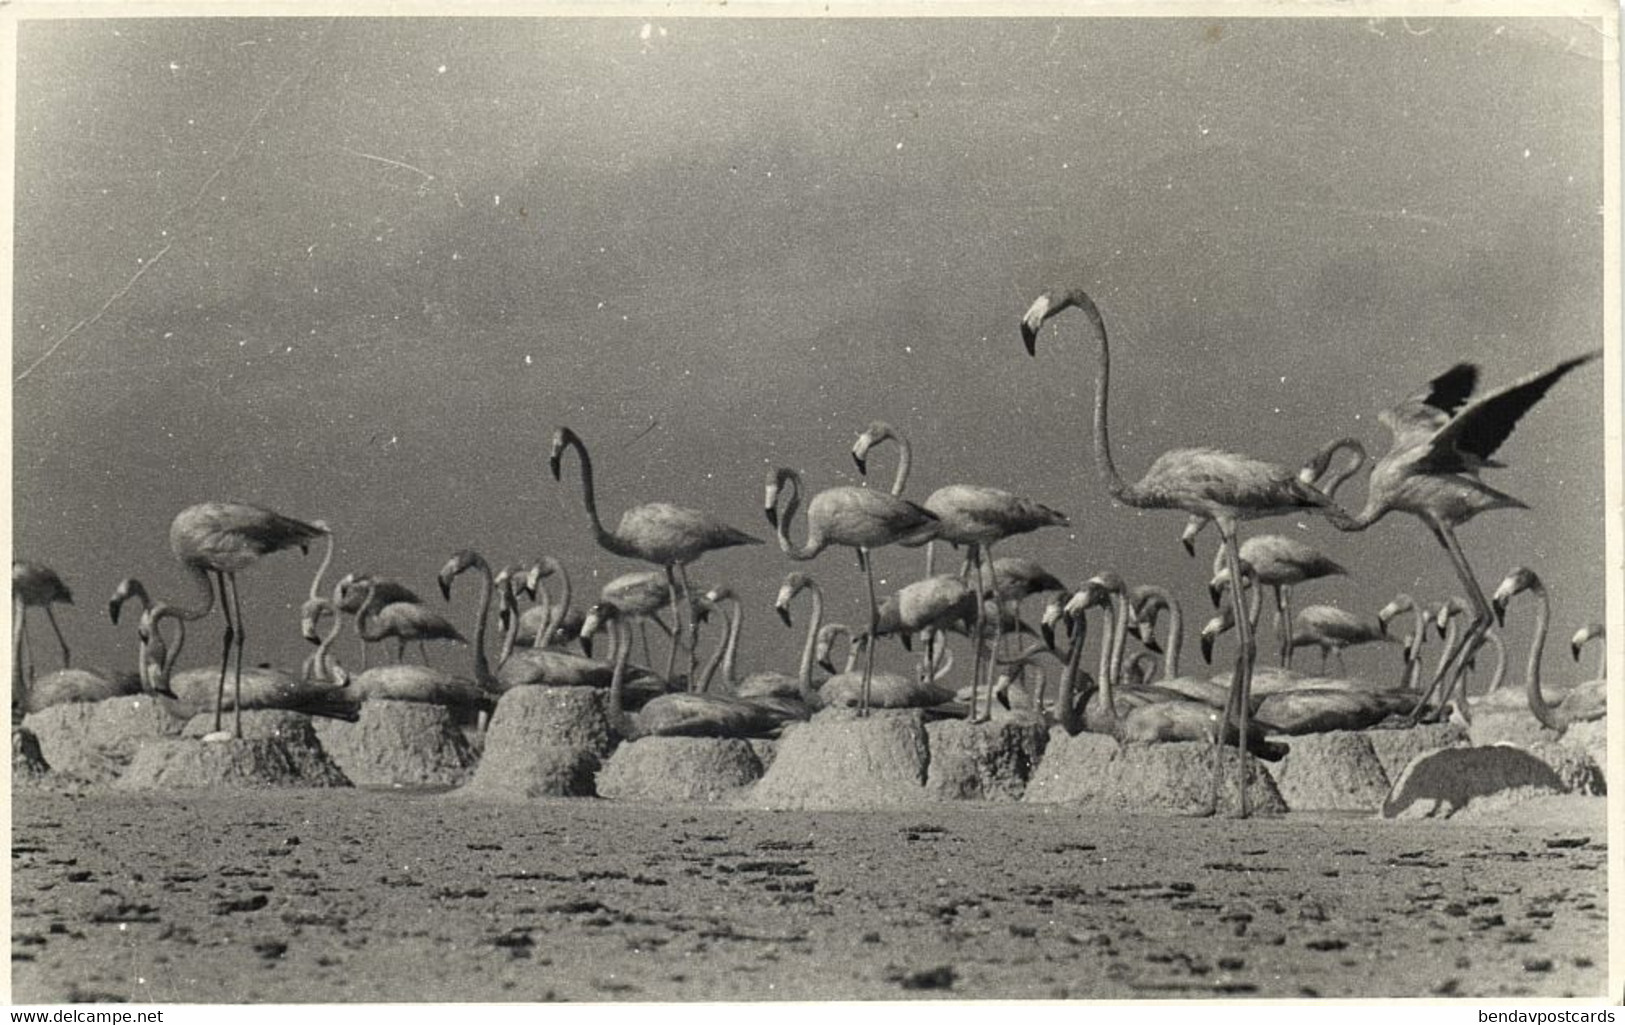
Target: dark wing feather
(1468, 441)
(1451, 389)
(1414, 420)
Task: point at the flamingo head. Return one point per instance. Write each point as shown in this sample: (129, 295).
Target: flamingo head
(127, 588)
(1048, 305)
(1210, 632)
(1447, 610)
(1583, 636)
(792, 586)
(1518, 581)
(874, 434)
(562, 438)
(1187, 537)
(598, 617)
(310, 618)
(462, 560)
(1401, 604)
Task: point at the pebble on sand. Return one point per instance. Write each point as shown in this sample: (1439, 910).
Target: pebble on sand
(679, 769)
(837, 760)
(1336, 771)
(1095, 770)
(400, 743)
(983, 761)
(1440, 783)
(95, 741)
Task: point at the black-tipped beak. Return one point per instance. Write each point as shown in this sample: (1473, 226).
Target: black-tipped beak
(586, 646)
(784, 614)
(112, 611)
(1152, 646)
(772, 517)
(1047, 631)
(1029, 338)
(1215, 594)
(1406, 655)
(445, 588)
(863, 465)
(1500, 613)
(553, 465)
(1382, 626)
(826, 665)
(1574, 649)
(908, 641)
(1207, 649)
(313, 639)
(1190, 546)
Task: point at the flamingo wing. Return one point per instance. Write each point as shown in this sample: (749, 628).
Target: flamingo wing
(1468, 441)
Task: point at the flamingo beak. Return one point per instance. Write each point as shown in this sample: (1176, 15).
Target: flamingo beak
(861, 460)
(1151, 645)
(1574, 649)
(1031, 322)
(908, 641)
(1047, 631)
(553, 462)
(784, 614)
(1500, 607)
(1190, 545)
(826, 665)
(1215, 593)
(772, 517)
(1207, 648)
(112, 610)
(445, 588)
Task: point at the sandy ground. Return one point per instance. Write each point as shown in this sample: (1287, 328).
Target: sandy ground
(376, 895)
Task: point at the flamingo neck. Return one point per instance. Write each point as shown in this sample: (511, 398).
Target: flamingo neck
(1176, 628)
(321, 571)
(790, 480)
(17, 608)
(1066, 695)
(482, 664)
(730, 651)
(1103, 444)
(807, 649)
(905, 460)
(605, 539)
(1548, 716)
(621, 638)
(200, 577)
(510, 634)
(365, 625)
(1350, 445)
(1413, 668)
(1499, 676)
(323, 660)
(720, 655)
(551, 621)
(1451, 641)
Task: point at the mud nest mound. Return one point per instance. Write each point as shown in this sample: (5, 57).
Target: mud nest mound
(1336, 771)
(1095, 770)
(1592, 738)
(278, 749)
(545, 742)
(766, 751)
(1396, 748)
(679, 769)
(983, 761)
(400, 743)
(1440, 783)
(95, 741)
(27, 763)
(1508, 725)
(838, 760)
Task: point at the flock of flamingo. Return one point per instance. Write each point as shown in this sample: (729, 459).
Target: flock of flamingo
(1442, 438)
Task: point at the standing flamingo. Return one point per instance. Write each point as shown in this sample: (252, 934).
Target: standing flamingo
(1332, 629)
(1586, 701)
(1220, 486)
(1310, 474)
(386, 591)
(1280, 562)
(403, 620)
(1440, 443)
(970, 515)
(852, 517)
(224, 538)
(666, 535)
(36, 585)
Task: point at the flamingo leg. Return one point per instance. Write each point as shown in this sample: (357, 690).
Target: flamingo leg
(867, 560)
(24, 654)
(676, 625)
(51, 618)
(997, 651)
(1283, 620)
(1242, 687)
(225, 652)
(237, 685)
(1452, 667)
(423, 650)
(1342, 666)
(975, 553)
(693, 628)
(18, 635)
(643, 632)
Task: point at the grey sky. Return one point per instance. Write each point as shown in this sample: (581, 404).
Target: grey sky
(386, 257)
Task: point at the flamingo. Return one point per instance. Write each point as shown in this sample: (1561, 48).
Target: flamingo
(224, 538)
(1585, 635)
(1585, 702)
(1217, 485)
(400, 682)
(770, 684)
(1310, 474)
(852, 517)
(969, 515)
(666, 535)
(1441, 441)
(403, 620)
(386, 591)
(1332, 629)
(36, 585)
(640, 597)
(1280, 562)
(542, 667)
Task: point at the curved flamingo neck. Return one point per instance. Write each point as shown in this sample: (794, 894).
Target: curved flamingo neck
(17, 607)
(1103, 444)
(1451, 642)
(551, 621)
(1499, 676)
(807, 649)
(482, 663)
(1176, 627)
(621, 635)
(510, 634)
(730, 650)
(905, 457)
(365, 623)
(321, 571)
(1549, 717)
(1337, 480)
(1066, 696)
(1413, 670)
(605, 539)
(790, 480)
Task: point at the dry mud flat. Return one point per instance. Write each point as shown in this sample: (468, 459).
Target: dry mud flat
(364, 895)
